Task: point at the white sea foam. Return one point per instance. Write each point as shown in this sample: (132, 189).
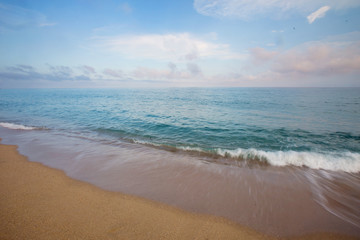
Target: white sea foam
(16, 126)
(334, 161)
(194, 149)
(146, 143)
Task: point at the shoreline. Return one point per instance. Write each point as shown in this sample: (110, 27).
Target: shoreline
(39, 202)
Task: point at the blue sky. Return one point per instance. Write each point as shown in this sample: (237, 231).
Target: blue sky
(206, 43)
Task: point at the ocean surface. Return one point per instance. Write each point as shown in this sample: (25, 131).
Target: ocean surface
(315, 131)
(317, 128)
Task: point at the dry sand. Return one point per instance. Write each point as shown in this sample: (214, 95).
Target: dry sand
(37, 202)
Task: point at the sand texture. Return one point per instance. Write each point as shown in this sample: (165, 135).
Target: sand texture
(37, 202)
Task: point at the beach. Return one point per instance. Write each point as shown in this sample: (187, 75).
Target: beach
(42, 203)
(278, 165)
(38, 202)
(199, 119)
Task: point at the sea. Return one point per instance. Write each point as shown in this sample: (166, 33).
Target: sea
(284, 161)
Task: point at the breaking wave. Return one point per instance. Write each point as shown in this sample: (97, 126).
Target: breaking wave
(18, 126)
(332, 161)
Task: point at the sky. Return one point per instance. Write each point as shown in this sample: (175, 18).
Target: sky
(187, 43)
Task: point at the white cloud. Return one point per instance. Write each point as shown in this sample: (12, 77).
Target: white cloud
(170, 47)
(318, 14)
(245, 9)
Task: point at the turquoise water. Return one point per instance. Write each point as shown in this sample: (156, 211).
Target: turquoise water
(315, 127)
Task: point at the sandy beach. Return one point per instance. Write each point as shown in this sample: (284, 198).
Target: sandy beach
(37, 202)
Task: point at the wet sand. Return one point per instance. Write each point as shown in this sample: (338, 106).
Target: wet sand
(37, 202)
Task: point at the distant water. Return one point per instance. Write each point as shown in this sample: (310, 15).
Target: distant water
(314, 127)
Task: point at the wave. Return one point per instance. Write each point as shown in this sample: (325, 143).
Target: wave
(332, 161)
(18, 126)
(344, 161)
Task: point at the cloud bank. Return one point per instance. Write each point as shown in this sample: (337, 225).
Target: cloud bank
(332, 61)
(88, 76)
(318, 61)
(53, 74)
